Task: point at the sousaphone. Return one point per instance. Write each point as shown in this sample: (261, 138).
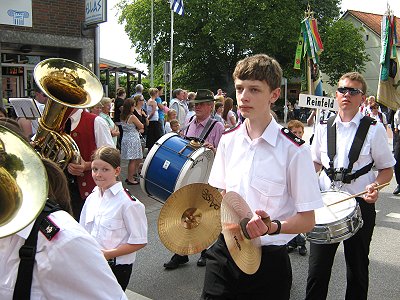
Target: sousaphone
(23, 183)
(69, 86)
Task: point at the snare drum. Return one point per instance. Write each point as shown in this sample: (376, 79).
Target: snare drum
(172, 163)
(337, 222)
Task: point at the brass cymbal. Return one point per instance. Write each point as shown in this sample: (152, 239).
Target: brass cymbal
(235, 213)
(189, 221)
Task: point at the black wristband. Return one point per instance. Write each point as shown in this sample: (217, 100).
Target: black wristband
(278, 230)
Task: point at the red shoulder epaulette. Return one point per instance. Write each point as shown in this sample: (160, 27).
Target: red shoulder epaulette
(232, 128)
(48, 228)
(292, 137)
(128, 193)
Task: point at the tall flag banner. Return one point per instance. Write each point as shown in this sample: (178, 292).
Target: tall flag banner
(177, 6)
(309, 48)
(389, 79)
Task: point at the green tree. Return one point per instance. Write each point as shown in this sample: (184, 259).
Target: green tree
(214, 34)
(344, 50)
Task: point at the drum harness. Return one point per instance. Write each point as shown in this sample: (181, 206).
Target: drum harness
(344, 174)
(27, 252)
(206, 131)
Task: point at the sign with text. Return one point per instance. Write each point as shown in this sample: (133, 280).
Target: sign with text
(16, 13)
(319, 102)
(95, 11)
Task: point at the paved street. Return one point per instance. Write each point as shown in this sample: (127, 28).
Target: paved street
(151, 280)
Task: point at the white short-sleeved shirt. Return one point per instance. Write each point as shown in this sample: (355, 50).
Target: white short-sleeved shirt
(375, 148)
(271, 173)
(69, 266)
(115, 219)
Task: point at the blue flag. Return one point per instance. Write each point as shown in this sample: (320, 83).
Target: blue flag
(177, 6)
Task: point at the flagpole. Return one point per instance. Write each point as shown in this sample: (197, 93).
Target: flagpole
(172, 52)
(152, 46)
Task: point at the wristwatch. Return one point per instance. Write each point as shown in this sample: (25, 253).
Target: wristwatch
(278, 230)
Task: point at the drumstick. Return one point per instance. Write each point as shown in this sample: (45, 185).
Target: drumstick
(378, 187)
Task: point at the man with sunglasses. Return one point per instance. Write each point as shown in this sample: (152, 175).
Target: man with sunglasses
(343, 170)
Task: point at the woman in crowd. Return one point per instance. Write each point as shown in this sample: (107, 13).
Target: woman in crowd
(105, 114)
(154, 130)
(96, 109)
(142, 116)
(131, 148)
(228, 115)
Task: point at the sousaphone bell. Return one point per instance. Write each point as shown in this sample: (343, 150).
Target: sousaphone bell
(23, 183)
(68, 85)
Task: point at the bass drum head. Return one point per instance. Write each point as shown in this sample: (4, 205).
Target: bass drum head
(336, 212)
(196, 169)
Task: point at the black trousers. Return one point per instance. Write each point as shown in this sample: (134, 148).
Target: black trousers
(356, 251)
(224, 280)
(123, 274)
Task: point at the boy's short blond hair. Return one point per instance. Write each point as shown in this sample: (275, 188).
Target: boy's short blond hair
(295, 124)
(259, 67)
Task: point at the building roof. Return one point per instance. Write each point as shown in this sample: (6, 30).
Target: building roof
(106, 64)
(370, 20)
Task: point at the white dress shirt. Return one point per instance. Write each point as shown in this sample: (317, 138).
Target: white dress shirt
(70, 266)
(375, 148)
(271, 173)
(102, 133)
(115, 219)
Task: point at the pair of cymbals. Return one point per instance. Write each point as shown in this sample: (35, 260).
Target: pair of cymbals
(193, 216)
(189, 221)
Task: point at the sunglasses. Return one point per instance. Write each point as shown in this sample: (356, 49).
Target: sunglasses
(351, 91)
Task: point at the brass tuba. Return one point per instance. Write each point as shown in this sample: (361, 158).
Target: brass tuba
(68, 85)
(23, 183)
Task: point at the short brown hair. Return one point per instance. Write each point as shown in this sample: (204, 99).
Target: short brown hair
(259, 67)
(355, 76)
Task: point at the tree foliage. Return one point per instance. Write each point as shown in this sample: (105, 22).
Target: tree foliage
(344, 50)
(214, 34)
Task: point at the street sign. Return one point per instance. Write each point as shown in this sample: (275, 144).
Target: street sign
(95, 11)
(319, 102)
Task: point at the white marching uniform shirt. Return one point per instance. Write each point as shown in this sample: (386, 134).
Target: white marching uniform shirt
(375, 148)
(271, 173)
(69, 266)
(114, 219)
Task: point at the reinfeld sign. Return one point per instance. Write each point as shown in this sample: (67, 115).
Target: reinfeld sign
(318, 102)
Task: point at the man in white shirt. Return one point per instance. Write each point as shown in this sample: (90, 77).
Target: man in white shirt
(352, 177)
(178, 103)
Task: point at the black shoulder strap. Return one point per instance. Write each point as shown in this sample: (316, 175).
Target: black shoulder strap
(189, 123)
(27, 252)
(354, 152)
(358, 141)
(331, 140)
(210, 127)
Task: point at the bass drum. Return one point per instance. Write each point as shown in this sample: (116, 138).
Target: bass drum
(172, 163)
(338, 222)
